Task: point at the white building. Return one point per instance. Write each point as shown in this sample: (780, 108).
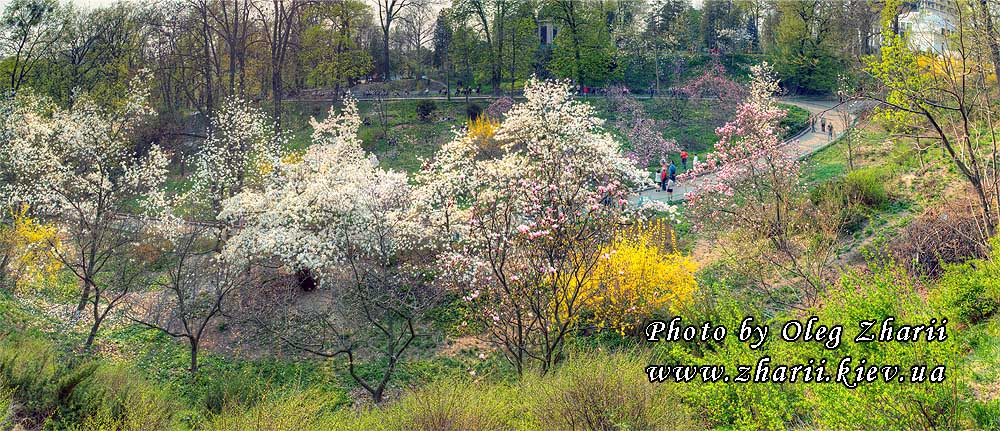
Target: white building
(547, 32)
(927, 24)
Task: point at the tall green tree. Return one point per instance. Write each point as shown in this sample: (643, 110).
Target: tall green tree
(806, 53)
(492, 21)
(720, 19)
(442, 44)
(584, 49)
(29, 29)
(330, 50)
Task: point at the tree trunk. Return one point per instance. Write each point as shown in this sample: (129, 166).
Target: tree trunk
(276, 91)
(84, 297)
(387, 69)
(991, 39)
(194, 355)
(93, 332)
(513, 60)
(207, 65)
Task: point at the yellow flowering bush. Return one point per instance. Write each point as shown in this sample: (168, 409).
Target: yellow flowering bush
(640, 273)
(481, 131)
(266, 168)
(26, 253)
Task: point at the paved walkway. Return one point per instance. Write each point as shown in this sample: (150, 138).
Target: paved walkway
(801, 146)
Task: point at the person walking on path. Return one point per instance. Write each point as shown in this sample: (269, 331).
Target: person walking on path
(662, 174)
(670, 191)
(830, 137)
(673, 171)
(812, 122)
(822, 124)
(684, 160)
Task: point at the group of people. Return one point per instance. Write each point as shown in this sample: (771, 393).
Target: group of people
(667, 175)
(825, 128)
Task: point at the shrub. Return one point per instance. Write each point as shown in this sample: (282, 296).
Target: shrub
(853, 196)
(473, 111)
(299, 411)
(25, 251)
(866, 186)
(640, 273)
(593, 391)
(425, 108)
(111, 397)
(6, 405)
(446, 406)
(30, 366)
(971, 290)
(232, 388)
(499, 107)
(481, 131)
(881, 291)
(946, 233)
(605, 392)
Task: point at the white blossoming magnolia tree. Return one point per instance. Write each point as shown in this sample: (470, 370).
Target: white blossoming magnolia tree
(241, 148)
(528, 221)
(78, 169)
(334, 213)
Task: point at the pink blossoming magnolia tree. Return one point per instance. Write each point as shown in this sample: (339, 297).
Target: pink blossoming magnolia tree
(715, 84)
(754, 197)
(646, 143)
(526, 222)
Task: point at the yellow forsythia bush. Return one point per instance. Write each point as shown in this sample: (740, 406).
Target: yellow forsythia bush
(26, 253)
(481, 131)
(640, 273)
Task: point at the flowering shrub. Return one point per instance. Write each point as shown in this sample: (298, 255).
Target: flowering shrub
(755, 201)
(26, 252)
(715, 84)
(640, 273)
(335, 214)
(644, 134)
(79, 168)
(499, 107)
(527, 223)
(331, 200)
(482, 130)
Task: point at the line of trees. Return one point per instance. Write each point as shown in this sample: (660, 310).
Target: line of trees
(203, 51)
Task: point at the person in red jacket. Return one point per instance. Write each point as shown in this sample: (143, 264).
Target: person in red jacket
(684, 160)
(663, 177)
